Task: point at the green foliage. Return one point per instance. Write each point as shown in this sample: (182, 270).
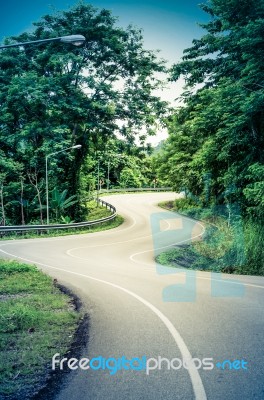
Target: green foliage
(184, 204)
(223, 120)
(215, 147)
(35, 318)
(254, 191)
(66, 220)
(186, 257)
(59, 202)
(235, 247)
(7, 268)
(130, 178)
(54, 96)
(254, 233)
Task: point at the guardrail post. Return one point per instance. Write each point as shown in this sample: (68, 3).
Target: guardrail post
(19, 229)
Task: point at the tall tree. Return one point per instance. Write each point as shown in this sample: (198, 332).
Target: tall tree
(53, 96)
(216, 142)
(223, 115)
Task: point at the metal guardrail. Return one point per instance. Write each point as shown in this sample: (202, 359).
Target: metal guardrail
(148, 189)
(39, 228)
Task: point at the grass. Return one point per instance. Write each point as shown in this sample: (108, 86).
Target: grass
(37, 320)
(184, 257)
(254, 238)
(226, 247)
(167, 205)
(93, 214)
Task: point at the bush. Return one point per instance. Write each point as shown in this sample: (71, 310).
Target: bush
(184, 204)
(254, 249)
(231, 245)
(13, 267)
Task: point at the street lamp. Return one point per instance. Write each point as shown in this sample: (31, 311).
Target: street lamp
(76, 40)
(77, 146)
(98, 181)
(108, 175)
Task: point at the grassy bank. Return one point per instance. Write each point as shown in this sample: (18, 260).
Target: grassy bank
(94, 213)
(36, 321)
(230, 244)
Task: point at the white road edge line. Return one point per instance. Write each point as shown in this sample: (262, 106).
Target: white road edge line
(196, 380)
(169, 245)
(72, 236)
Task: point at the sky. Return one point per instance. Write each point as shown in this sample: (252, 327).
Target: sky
(168, 25)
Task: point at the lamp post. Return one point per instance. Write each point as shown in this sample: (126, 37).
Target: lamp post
(98, 181)
(108, 175)
(77, 146)
(76, 40)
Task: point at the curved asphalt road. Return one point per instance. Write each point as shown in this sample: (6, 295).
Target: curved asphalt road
(135, 311)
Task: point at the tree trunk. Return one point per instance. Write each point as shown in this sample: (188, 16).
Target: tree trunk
(40, 206)
(2, 204)
(33, 178)
(21, 201)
